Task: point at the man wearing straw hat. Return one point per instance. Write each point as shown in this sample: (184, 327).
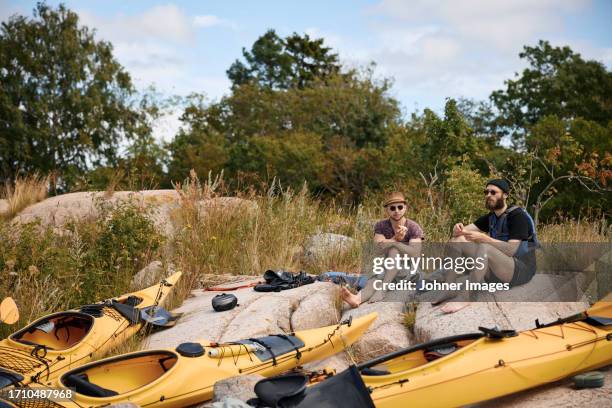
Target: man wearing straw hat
(396, 235)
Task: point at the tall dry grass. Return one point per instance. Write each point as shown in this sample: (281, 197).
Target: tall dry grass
(25, 191)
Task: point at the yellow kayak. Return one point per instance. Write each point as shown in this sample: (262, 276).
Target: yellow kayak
(470, 368)
(56, 343)
(185, 375)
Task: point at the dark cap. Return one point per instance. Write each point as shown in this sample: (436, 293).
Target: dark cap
(501, 183)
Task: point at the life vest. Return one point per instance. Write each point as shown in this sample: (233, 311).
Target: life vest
(498, 229)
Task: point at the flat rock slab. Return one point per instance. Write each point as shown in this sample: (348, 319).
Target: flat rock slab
(240, 387)
(431, 323)
(561, 394)
(258, 314)
(546, 288)
(385, 335)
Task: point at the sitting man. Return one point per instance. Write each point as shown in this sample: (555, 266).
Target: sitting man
(503, 239)
(395, 235)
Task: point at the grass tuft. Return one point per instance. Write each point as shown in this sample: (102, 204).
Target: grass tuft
(25, 192)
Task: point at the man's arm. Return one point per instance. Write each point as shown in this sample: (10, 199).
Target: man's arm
(459, 228)
(381, 238)
(509, 248)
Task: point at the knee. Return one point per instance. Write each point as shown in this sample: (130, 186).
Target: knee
(392, 252)
(483, 250)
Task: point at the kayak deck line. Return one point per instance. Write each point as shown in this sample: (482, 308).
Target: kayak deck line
(307, 350)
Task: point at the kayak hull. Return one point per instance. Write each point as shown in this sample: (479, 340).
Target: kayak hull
(77, 339)
(180, 381)
(488, 368)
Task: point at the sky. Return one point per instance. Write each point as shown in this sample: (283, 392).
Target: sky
(433, 49)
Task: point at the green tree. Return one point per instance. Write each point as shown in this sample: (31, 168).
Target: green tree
(464, 185)
(448, 139)
(573, 165)
(353, 106)
(283, 63)
(198, 145)
(64, 100)
(557, 82)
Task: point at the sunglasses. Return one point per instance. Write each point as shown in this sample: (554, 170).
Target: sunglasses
(399, 207)
(491, 192)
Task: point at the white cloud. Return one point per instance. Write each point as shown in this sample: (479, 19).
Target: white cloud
(209, 20)
(148, 44)
(504, 24)
(162, 23)
(443, 48)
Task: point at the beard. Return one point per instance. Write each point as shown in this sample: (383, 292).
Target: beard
(494, 204)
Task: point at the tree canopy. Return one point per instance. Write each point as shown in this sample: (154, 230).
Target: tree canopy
(557, 82)
(294, 114)
(64, 99)
(283, 63)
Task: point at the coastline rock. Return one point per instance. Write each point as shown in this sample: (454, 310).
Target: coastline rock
(148, 275)
(431, 323)
(385, 335)
(161, 207)
(240, 387)
(326, 244)
(258, 314)
(325, 299)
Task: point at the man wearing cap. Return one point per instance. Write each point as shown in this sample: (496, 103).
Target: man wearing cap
(501, 237)
(396, 235)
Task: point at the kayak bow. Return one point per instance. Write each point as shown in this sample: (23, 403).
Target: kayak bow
(54, 344)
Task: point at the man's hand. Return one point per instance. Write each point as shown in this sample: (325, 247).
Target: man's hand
(400, 233)
(457, 229)
(476, 236)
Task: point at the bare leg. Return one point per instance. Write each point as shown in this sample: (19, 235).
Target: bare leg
(458, 246)
(353, 300)
(495, 262)
(368, 293)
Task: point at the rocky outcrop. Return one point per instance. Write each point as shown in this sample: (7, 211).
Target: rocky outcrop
(161, 207)
(148, 275)
(305, 316)
(326, 244)
(258, 314)
(386, 334)
(432, 323)
(240, 387)
(59, 210)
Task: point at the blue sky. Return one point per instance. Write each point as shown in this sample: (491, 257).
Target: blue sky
(432, 49)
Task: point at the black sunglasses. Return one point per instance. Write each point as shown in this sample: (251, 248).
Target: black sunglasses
(487, 192)
(399, 207)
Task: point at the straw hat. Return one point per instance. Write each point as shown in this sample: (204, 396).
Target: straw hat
(395, 197)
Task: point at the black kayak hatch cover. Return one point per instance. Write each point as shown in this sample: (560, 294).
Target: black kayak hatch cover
(190, 349)
(224, 302)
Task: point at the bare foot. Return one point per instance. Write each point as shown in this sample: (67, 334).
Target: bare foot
(351, 299)
(443, 296)
(452, 307)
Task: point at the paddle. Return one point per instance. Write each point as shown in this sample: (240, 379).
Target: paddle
(9, 313)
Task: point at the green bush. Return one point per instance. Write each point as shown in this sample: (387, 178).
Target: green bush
(46, 271)
(464, 187)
